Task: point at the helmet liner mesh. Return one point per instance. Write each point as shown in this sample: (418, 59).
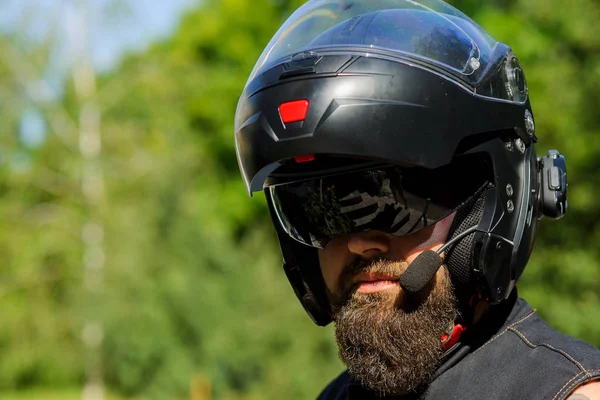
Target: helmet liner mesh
(460, 257)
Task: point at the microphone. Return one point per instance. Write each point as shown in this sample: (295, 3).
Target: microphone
(423, 268)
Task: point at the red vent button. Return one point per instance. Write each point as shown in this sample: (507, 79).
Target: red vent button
(293, 111)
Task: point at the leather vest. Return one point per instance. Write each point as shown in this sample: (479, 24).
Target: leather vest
(513, 354)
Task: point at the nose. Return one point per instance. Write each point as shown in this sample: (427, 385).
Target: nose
(369, 245)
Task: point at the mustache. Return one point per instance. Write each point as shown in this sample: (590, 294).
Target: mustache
(380, 265)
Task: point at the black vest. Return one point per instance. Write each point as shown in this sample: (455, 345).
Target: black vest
(513, 354)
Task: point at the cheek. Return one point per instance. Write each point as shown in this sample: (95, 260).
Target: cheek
(431, 238)
(332, 261)
(442, 228)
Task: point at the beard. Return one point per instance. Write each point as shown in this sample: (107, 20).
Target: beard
(389, 340)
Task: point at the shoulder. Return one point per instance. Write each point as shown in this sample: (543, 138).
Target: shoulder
(562, 358)
(337, 388)
(528, 359)
(534, 332)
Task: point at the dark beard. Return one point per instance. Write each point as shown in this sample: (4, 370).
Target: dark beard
(391, 343)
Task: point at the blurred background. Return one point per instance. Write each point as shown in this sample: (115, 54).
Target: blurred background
(132, 263)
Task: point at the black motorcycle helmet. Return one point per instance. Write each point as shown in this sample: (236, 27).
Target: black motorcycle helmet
(414, 112)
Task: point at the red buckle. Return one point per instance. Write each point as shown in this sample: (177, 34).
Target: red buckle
(450, 340)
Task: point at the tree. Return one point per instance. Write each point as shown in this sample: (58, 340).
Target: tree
(193, 290)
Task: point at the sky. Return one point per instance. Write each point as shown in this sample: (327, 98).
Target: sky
(115, 26)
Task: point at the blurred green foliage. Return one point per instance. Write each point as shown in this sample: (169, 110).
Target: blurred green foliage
(192, 285)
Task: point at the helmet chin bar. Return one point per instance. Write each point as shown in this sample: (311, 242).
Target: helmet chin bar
(504, 238)
(302, 268)
(544, 194)
(527, 188)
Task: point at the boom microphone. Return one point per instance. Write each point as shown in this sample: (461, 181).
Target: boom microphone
(423, 268)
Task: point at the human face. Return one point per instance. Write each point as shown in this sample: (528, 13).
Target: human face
(343, 253)
(389, 340)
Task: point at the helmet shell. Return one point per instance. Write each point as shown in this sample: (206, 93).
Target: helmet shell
(373, 94)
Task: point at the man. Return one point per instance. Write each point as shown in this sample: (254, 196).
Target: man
(394, 141)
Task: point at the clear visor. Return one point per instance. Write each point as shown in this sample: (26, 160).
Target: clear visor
(428, 30)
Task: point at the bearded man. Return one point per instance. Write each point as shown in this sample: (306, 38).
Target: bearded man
(395, 143)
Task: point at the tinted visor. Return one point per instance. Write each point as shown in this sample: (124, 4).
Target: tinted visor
(395, 200)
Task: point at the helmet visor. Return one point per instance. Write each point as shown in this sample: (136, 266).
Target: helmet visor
(395, 200)
(428, 30)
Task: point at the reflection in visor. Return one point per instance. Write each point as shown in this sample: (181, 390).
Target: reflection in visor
(315, 211)
(430, 30)
(414, 32)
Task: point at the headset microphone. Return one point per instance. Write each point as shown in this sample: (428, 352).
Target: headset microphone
(422, 270)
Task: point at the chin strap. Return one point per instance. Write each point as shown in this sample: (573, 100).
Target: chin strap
(457, 329)
(451, 338)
